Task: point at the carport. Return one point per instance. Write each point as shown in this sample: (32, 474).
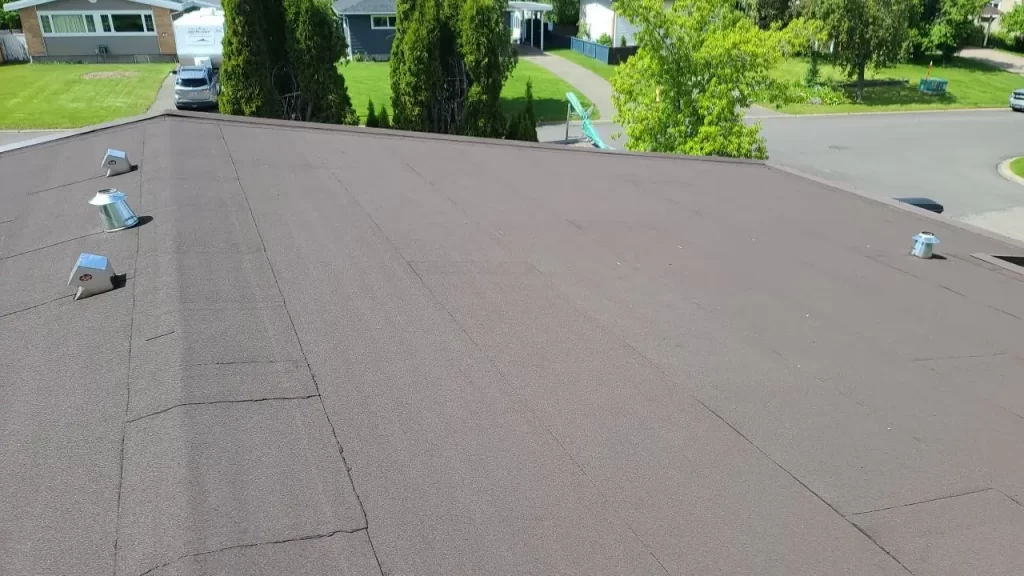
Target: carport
(527, 11)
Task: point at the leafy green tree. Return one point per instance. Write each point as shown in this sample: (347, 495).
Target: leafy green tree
(867, 33)
(416, 76)
(314, 46)
(383, 121)
(489, 60)
(9, 20)
(956, 22)
(371, 117)
(245, 75)
(1013, 21)
(768, 13)
(565, 12)
(698, 66)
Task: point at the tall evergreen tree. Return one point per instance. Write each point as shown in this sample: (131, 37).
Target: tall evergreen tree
(489, 60)
(275, 33)
(245, 75)
(416, 75)
(314, 46)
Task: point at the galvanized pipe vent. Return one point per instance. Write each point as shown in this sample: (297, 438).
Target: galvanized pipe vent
(114, 210)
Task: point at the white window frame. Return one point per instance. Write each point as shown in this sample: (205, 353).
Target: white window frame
(95, 15)
(391, 18)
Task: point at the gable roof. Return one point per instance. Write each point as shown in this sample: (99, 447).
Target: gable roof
(700, 354)
(20, 4)
(354, 7)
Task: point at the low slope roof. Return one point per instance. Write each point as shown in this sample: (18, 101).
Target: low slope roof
(349, 351)
(364, 7)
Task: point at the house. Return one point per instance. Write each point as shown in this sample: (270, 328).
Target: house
(98, 30)
(344, 351)
(369, 25)
(600, 18)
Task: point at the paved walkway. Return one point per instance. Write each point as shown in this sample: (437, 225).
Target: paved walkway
(165, 97)
(1005, 60)
(592, 86)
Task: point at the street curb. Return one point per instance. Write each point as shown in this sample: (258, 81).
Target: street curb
(1005, 172)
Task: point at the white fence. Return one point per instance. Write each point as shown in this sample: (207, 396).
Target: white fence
(12, 46)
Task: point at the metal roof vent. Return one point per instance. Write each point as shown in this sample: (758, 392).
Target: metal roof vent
(924, 243)
(116, 162)
(92, 274)
(114, 210)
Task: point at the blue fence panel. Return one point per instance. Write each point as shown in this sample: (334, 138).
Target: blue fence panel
(577, 45)
(601, 53)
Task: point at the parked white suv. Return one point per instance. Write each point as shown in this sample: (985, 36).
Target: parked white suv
(196, 87)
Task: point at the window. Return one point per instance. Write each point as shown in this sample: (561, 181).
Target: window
(72, 24)
(382, 22)
(127, 22)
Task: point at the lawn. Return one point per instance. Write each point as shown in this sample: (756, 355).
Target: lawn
(75, 95)
(971, 85)
(369, 80)
(1017, 166)
(603, 70)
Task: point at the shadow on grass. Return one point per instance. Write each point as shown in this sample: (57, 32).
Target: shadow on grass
(906, 95)
(545, 109)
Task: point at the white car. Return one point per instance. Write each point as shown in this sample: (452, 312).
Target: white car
(1017, 100)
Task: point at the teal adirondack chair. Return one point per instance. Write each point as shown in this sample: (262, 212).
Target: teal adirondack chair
(588, 127)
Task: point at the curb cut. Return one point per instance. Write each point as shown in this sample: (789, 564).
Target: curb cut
(1005, 172)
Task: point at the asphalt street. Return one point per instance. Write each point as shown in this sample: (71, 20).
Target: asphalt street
(948, 156)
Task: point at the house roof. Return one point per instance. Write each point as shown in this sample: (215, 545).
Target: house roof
(354, 7)
(341, 349)
(169, 4)
(369, 7)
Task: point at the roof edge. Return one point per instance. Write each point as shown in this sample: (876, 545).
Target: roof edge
(20, 4)
(390, 133)
(839, 187)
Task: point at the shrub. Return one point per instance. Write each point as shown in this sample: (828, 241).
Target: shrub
(604, 40)
(622, 41)
(371, 117)
(10, 20)
(383, 121)
(523, 125)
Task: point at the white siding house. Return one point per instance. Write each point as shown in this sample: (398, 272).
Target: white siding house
(602, 19)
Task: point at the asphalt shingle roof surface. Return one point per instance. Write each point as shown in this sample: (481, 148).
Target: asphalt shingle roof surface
(358, 352)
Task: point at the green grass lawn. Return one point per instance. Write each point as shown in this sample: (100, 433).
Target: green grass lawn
(369, 80)
(1017, 166)
(57, 96)
(971, 85)
(603, 70)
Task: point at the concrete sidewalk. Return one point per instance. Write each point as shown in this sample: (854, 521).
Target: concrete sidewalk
(592, 86)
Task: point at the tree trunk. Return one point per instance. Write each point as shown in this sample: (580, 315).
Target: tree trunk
(860, 82)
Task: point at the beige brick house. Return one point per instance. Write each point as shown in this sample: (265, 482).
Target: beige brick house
(98, 30)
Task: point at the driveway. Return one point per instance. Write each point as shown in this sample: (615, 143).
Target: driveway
(1005, 60)
(949, 156)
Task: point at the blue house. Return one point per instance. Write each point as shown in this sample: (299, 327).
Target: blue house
(370, 25)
